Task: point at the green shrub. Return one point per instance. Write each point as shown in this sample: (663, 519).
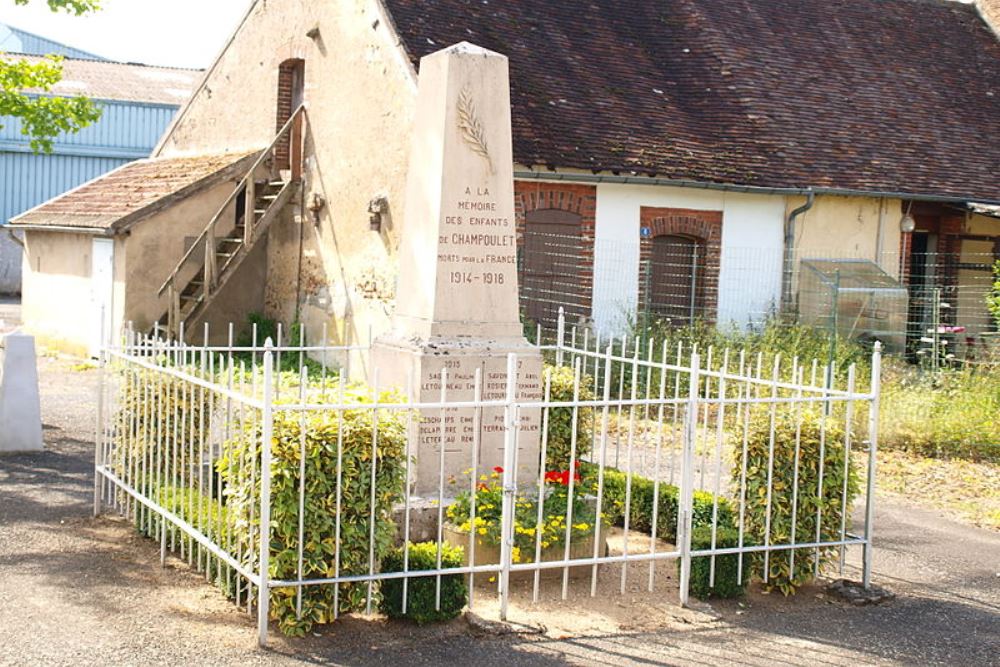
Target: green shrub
(776, 336)
(152, 407)
(560, 427)
(809, 502)
(323, 429)
(728, 583)
(641, 506)
(421, 595)
(993, 298)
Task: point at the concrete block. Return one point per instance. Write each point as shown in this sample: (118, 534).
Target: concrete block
(20, 408)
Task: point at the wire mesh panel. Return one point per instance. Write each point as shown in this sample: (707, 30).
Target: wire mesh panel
(912, 301)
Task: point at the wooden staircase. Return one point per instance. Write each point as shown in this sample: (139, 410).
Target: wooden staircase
(263, 199)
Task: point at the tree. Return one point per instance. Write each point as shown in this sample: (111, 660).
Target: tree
(43, 117)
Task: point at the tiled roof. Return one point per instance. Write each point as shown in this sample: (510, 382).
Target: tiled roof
(107, 80)
(127, 193)
(867, 95)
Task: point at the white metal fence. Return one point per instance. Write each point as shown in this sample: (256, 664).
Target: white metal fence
(298, 481)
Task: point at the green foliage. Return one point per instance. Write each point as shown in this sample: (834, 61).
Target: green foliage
(727, 583)
(43, 116)
(559, 443)
(950, 414)
(555, 500)
(287, 363)
(160, 424)
(993, 298)
(421, 594)
(667, 497)
(820, 440)
(323, 431)
(775, 337)
(76, 7)
(200, 510)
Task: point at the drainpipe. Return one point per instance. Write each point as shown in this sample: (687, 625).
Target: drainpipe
(789, 259)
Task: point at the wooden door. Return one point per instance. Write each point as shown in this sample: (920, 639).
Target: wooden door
(552, 266)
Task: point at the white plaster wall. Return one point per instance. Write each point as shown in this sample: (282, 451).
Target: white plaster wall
(750, 266)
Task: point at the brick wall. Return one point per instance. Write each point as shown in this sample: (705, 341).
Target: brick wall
(703, 226)
(575, 198)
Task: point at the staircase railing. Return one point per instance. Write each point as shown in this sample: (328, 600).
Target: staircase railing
(293, 129)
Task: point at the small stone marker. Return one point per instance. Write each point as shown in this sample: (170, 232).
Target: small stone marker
(20, 411)
(457, 301)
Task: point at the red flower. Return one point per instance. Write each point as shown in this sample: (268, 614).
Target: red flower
(498, 469)
(576, 464)
(552, 476)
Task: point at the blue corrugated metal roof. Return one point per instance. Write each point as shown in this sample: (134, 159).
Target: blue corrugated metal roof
(15, 40)
(125, 130)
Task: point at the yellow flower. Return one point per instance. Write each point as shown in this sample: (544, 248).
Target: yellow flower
(581, 526)
(482, 531)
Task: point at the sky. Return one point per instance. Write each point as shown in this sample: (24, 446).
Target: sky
(154, 32)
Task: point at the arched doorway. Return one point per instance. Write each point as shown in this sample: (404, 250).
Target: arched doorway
(675, 268)
(552, 265)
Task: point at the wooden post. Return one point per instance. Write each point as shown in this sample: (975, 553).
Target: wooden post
(209, 260)
(249, 210)
(296, 147)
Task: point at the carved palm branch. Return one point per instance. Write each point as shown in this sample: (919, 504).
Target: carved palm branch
(471, 127)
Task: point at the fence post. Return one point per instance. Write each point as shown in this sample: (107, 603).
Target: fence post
(263, 585)
(873, 417)
(687, 479)
(560, 336)
(507, 516)
(99, 429)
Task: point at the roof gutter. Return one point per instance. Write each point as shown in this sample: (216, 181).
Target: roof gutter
(734, 187)
(88, 231)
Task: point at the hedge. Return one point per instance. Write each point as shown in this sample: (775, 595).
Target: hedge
(814, 432)
(728, 583)
(559, 443)
(323, 431)
(421, 595)
(641, 506)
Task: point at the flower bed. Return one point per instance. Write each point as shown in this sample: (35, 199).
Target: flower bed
(546, 521)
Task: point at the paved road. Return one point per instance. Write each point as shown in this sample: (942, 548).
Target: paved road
(74, 590)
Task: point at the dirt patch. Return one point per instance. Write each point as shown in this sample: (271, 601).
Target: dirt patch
(965, 490)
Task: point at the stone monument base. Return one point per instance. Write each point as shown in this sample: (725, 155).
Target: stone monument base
(416, 367)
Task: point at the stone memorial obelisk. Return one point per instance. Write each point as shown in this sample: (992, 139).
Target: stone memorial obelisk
(457, 300)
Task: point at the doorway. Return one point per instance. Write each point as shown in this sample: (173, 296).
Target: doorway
(291, 95)
(552, 265)
(674, 290)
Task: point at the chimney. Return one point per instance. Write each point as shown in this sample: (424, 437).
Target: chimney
(990, 11)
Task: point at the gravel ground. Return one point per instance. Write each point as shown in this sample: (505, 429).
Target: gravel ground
(78, 590)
